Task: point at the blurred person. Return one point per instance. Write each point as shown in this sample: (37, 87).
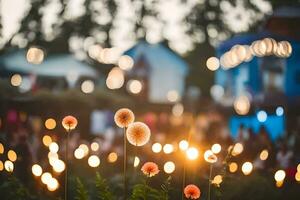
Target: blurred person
(284, 156)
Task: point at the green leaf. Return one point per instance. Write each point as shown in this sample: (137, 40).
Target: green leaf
(103, 192)
(81, 192)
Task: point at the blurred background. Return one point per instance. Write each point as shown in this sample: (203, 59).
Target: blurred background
(200, 71)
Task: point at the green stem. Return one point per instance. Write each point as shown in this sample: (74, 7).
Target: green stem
(125, 165)
(209, 180)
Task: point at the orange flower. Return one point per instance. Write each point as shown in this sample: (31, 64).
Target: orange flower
(192, 192)
(124, 117)
(150, 169)
(138, 133)
(69, 122)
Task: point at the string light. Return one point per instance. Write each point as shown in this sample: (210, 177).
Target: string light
(168, 148)
(11, 155)
(94, 161)
(233, 167)
(216, 148)
(247, 168)
(169, 167)
(95, 146)
(50, 123)
(156, 147)
(79, 153)
(46, 177)
(9, 166)
(183, 145)
(85, 149)
(36, 170)
(264, 155)
(53, 147)
(192, 153)
(112, 157)
(279, 176)
(47, 140)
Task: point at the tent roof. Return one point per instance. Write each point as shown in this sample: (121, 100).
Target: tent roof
(158, 56)
(55, 65)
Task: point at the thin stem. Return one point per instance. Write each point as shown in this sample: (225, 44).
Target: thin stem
(125, 165)
(183, 179)
(67, 164)
(209, 180)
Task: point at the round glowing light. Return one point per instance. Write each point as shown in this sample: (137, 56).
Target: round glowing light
(247, 168)
(52, 184)
(183, 145)
(242, 105)
(233, 167)
(53, 147)
(238, 148)
(217, 92)
(210, 157)
(1, 148)
(264, 155)
(298, 168)
(262, 116)
(168, 148)
(35, 55)
(112, 157)
(9, 166)
(85, 149)
(79, 153)
(46, 177)
(16, 80)
(192, 153)
(169, 167)
(213, 63)
(115, 78)
(95, 146)
(69, 122)
(1, 166)
(156, 147)
(87, 86)
(94, 161)
(279, 111)
(218, 179)
(177, 109)
(47, 140)
(136, 161)
(172, 96)
(36, 170)
(50, 123)
(216, 148)
(125, 62)
(134, 86)
(58, 166)
(279, 176)
(297, 176)
(11, 155)
(94, 51)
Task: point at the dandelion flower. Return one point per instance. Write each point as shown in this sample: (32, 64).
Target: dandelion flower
(138, 134)
(69, 122)
(150, 169)
(124, 117)
(192, 192)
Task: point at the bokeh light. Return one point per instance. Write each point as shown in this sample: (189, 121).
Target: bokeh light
(177, 109)
(183, 145)
(134, 86)
(1, 148)
(216, 148)
(210, 157)
(262, 116)
(238, 148)
(115, 78)
(242, 105)
(94, 161)
(85, 149)
(279, 111)
(218, 179)
(213, 63)
(247, 168)
(156, 147)
(279, 176)
(46, 177)
(9, 166)
(264, 154)
(52, 184)
(136, 161)
(87, 86)
(53, 147)
(297, 176)
(16, 80)
(125, 62)
(169, 167)
(192, 153)
(172, 96)
(1, 166)
(79, 153)
(112, 157)
(35, 55)
(36, 170)
(168, 148)
(233, 167)
(11, 155)
(50, 123)
(58, 166)
(94, 146)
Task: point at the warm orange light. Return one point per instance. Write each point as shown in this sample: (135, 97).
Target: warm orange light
(112, 157)
(247, 168)
(264, 155)
(169, 167)
(168, 148)
(79, 153)
(95, 146)
(156, 147)
(1, 148)
(12, 156)
(94, 161)
(183, 145)
(279, 176)
(47, 140)
(233, 167)
(50, 123)
(192, 153)
(216, 148)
